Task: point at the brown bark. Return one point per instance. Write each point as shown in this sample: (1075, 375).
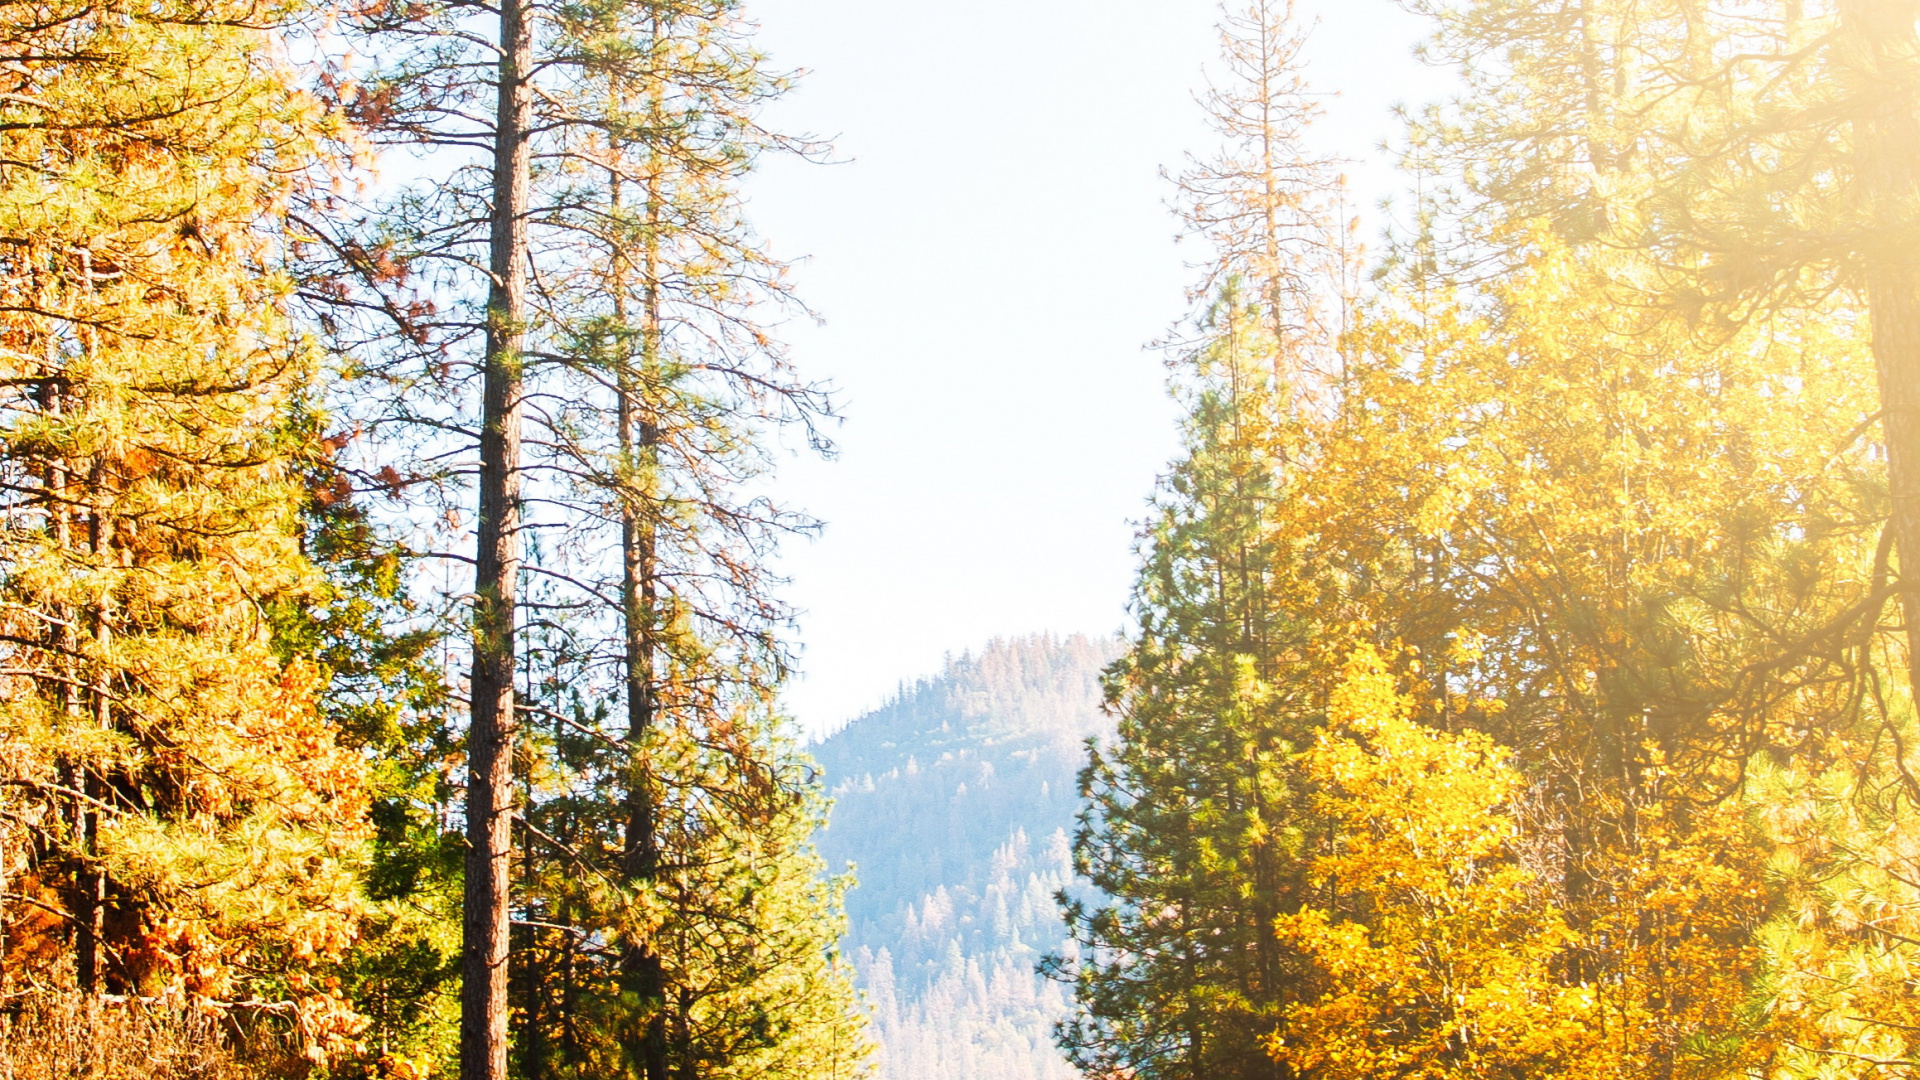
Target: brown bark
(1880, 39)
(640, 965)
(91, 909)
(490, 797)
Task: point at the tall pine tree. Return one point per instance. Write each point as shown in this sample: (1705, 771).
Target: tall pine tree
(670, 914)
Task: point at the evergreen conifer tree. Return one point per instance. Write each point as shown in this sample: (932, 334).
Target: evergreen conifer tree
(1193, 829)
(1760, 160)
(193, 823)
(671, 918)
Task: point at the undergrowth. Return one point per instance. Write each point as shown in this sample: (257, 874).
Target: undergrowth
(71, 1037)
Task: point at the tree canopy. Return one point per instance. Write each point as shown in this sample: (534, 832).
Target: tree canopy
(1492, 676)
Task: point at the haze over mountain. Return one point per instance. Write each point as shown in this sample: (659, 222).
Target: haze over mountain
(955, 801)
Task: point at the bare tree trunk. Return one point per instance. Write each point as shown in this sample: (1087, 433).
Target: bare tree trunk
(490, 796)
(1880, 36)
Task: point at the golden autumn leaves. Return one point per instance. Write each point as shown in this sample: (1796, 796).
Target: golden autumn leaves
(1553, 840)
(1426, 843)
(1432, 940)
(1520, 688)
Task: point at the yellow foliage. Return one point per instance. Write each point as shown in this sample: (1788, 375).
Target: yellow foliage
(1436, 946)
(1433, 948)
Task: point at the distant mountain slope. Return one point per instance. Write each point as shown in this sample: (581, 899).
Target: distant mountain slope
(955, 801)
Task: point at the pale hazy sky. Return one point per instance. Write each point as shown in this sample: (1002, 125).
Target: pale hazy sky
(990, 261)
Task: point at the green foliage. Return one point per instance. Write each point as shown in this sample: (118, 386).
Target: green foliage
(1192, 818)
(1192, 833)
(386, 694)
(671, 917)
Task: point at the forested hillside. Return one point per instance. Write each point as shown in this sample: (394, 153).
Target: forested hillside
(955, 800)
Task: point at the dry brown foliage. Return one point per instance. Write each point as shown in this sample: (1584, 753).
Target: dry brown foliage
(71, 1037)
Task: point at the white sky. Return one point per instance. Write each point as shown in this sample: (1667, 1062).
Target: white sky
(990, 262)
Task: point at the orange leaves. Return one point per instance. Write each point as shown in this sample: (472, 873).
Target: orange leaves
(253, 864)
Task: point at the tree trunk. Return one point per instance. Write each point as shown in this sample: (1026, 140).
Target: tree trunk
(91, 911)
(1879, 39)
(487, 925)
(640, 965)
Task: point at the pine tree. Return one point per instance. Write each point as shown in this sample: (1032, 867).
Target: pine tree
(1760, 161)
(669, 910)
(1193, 810)
(1263, 203)
(658, 326)
(193, 823)
(1193, 820)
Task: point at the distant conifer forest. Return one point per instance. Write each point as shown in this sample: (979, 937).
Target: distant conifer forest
(954, 803)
